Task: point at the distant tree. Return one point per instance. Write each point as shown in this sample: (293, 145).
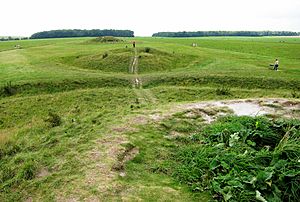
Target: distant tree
(81, 33)
(225, 33)
(9, 38)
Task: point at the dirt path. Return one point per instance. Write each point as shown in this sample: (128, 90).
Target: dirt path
(105, 161)
(143, 95)
(133, 69)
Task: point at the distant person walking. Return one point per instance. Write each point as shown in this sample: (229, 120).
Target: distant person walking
(276, 65)
(133, 44)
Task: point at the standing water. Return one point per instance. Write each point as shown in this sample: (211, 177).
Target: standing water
(246, 109)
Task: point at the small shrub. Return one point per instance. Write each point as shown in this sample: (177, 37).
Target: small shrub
(104, 55)
(147, 49)
(223, 91)
(53, 119)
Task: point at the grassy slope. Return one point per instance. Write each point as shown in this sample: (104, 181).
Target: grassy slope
(231, 58)
(92, 101)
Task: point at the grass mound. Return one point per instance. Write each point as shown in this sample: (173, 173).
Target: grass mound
(242, 159)
(155, 60)
(106, 39)
(117, 60)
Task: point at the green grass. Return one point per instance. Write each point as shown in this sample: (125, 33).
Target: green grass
(68, 107)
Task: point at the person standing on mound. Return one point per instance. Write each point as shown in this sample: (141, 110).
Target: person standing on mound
(276, 65)
(133, 44)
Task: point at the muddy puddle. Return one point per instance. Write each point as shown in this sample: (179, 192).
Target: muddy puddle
(251, 107)
(247, 109)
(211, 110)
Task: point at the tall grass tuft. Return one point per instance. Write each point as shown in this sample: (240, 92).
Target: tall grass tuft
(53, 119)
(223, 91)
(295, 94)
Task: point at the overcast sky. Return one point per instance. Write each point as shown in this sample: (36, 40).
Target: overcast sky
(144, 17)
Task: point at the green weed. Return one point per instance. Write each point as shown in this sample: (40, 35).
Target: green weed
(240, 157)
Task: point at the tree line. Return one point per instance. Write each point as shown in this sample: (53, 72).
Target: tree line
(128, 33)
(225, 33)
(81, 33)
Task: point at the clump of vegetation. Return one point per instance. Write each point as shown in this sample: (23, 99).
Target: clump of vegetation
(295, 94)
(223, 91)
(28, 170)
(8, 89)
(53, 119)
(104, 55)
(9, 148)
(147, 49)
(242, 159)
(11, 175)
(107, 39)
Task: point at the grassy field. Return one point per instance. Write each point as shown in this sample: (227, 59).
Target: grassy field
(75, 126)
